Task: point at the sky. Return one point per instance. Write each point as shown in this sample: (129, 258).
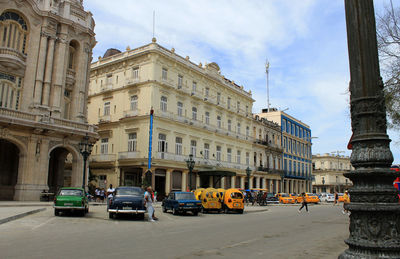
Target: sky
(305, 43)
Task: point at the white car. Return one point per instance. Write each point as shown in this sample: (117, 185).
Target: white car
(327, 197)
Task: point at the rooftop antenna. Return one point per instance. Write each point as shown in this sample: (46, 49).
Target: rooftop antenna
(267, 72)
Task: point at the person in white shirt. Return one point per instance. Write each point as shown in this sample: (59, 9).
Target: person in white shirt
(110, 192)
(148, 202)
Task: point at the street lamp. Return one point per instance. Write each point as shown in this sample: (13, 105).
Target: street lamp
(85, 147)
(248, 173)
(190, 164)
(323, 184)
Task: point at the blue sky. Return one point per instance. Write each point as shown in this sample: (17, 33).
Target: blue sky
(304, 41)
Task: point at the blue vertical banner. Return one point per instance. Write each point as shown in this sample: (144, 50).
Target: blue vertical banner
(150, 138)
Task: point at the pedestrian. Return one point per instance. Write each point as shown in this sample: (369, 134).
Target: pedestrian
(335, 201)
(148, 202)
(102, 194)
(110, 192)
(346, 200)
(304, 202)
(97, 194)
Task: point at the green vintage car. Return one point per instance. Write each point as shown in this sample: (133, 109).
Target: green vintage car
(71, 199)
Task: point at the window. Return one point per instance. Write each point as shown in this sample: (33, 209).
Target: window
(162, 144)
(238, 106)
(15, 31)
(107, 108)
(247, 158)
(163, 103)
(247, 110)
(219, 121)
(207, 116)
(132, 142)
(180, 108)
(109, 80)
(218, 98)
(104, 146)
(134, 100)
(229, 156)
(194, 113)
(229, 125)
(135, 73)
(10, 91)
(164, 74)
(194, 87)
(247, 131)
(218, 153)
(193, 145)
(206, 151)
(229, 103)
(207, 92)
(180, 81)
(178, 146)
(238, 157)
(238, 128)
(283, 125)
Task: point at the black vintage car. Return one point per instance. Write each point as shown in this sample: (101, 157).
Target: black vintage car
(127, 200)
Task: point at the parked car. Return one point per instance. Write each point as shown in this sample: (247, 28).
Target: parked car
(285, 198)
(327, 197)
(210, 200)
(71, 199)
(233, 200)
(310, 198)
(271, 198)
(181, 202)
(127, 200)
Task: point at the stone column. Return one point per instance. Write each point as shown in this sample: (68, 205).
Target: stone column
(251, 182)
(375, 212)
(242, 185)
(48, 72)
(168, 180)
(40, 69)
(233, 182)
(211, 180)
(222, 182)
(197, 181)
(184, 180)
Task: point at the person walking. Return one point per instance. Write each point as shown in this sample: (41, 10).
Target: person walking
(110, 192)
(346, 200)
(304, 202)
(148, 202)
(335, 201)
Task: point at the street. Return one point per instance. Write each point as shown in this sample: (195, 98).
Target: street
(270, 232)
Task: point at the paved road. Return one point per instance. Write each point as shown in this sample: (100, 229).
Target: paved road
(281, 232)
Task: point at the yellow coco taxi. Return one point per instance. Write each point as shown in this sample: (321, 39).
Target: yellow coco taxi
(310, 198)
(233, 200)
(285, 198)
(221, 192)
(210, 200)
(197, 193)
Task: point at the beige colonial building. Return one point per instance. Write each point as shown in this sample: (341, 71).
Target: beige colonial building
(328, 173)
(296, 139)
(45, 53)
(196, 111)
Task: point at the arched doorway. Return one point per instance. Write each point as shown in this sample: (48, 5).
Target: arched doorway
(60, 169)
(9, 161)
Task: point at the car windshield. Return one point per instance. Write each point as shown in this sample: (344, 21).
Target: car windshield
(185, 196)
(311, 195)
(284, 195)
(236, 195)
(270, 195)
(70, 193)
(129, 192)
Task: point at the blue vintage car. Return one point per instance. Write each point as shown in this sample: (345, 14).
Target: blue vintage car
(127, 200)
(181, 202)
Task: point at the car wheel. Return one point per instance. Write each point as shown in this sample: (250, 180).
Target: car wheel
(174, 211)
(141, 216)
(226, 210)
(87, 210)
(164, 209)
(110, 215)
(195, 213)
(56, 212)
(82, 213)
(241, 211)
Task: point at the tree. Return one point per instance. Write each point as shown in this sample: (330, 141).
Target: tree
(388, 35)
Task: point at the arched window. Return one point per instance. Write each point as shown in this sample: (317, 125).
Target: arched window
(9, 91)
(72, 56)
(13, 31)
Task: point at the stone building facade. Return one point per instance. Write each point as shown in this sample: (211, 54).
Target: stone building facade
(328, 173)
(296, 143)
(45, 54)
(196, 111)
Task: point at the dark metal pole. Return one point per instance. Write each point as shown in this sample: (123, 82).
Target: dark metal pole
(375, 213)
(84, 171)
(190, 178)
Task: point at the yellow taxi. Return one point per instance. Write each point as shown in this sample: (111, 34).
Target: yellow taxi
(210, 200)
(310, 198)
(285, 198)
(294, 196)
(233, 200)
(221, 193)
(197, 193)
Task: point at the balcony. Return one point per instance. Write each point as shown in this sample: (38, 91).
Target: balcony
(107, 87)
(128, 155)
(12, 59)
(170, 156)
(131, 113)
(70, 79)
(105, 118)
(102, 158)
(131, 81)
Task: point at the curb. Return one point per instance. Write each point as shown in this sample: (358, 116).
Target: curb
(18, 216)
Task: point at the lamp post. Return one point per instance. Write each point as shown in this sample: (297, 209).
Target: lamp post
(248, 173)
(323, 184)
(190, 164)
(85, 147)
